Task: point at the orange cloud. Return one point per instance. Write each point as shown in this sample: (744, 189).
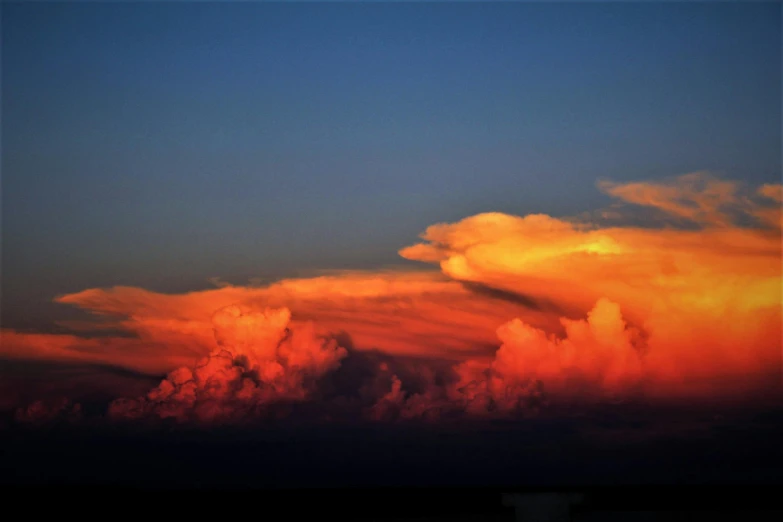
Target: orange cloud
(773, 192)
(258, 361)
(599, 358)
(695, 197)
(708, 299)
(703, 199)
(527, 310)
(134, 354)
(397, 313)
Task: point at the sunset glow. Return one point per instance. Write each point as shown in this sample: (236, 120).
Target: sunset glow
(527, 311)
(257, 247)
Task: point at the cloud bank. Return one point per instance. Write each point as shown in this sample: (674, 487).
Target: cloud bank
(523, 313)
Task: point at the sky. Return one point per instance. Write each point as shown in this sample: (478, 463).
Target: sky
(162, 145)
(229, 213)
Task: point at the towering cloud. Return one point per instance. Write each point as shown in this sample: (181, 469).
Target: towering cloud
(707, 294)
(258, 361)
(524, 312)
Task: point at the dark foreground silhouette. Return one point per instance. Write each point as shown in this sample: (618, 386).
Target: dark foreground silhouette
(608, 465)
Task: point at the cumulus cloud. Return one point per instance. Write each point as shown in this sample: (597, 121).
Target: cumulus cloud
(525, 311)
(258, 361)
(599, 358)
(261, 363)
(49, 411)
(600, 353)
(709, 298)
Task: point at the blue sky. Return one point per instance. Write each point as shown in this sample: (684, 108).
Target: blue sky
(160, 145)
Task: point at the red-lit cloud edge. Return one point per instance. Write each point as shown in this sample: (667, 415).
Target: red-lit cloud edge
(673, 293)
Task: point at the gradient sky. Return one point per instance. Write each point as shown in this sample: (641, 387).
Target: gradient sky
(160, 145)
